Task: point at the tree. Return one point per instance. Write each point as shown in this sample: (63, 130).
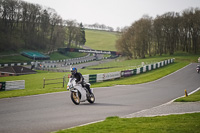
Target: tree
(71, 31)
(82, 34)
(167, 33)
(29, 26)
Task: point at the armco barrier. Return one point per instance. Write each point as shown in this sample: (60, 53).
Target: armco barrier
(107, 76)
(147, 68)
(100, 77)
(141, 69)
(12, 85)
(2, 86)
(15, 85)
(93, 78)
(29, 63)
(138, 71)
(144, 69)
(126, 73)
(134, 71)
(113, 75)
(86, 78)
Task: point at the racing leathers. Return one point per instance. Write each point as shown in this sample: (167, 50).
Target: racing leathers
(80, 80)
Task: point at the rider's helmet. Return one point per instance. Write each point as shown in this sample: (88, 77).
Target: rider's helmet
(74, 71)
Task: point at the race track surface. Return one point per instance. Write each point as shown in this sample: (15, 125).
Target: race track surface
(51, 112)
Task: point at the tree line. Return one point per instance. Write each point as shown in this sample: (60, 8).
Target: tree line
(98, 26)
(165, 34)
(25, 25)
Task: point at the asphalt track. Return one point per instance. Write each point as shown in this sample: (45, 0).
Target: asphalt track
(51, 112)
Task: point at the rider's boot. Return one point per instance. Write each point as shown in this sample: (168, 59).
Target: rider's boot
(88, 87)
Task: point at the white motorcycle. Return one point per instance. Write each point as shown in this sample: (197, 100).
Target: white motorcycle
(79, 93)
(198, 68)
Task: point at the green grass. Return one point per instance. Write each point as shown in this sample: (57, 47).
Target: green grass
(101, 40)
(191, 98)
(14, 59)
(144, 77)
(185, 123)
(34, 82)
(121, 64)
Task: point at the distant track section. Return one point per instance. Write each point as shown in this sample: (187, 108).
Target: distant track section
(35, 55)
(64, 50)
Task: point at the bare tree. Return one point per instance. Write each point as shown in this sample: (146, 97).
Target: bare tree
(167, 33)
(71, 31)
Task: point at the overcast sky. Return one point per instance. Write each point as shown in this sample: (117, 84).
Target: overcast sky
(114, 13)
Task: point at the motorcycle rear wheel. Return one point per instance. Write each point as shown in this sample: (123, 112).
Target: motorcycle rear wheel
(75, 98)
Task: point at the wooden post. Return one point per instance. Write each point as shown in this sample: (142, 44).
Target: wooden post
(43, 82)
(63, 81)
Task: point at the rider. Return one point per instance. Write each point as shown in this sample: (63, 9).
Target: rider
(80, 79)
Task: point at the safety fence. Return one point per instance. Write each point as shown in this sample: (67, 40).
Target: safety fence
(46, 66)
(14, 64)
(91, 78)
(114, 75)
(56, 81)
(12, 85)
(48, 61)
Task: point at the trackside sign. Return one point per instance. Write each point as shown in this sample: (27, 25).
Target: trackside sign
(112, 75)
(64, 50)
(94, 51)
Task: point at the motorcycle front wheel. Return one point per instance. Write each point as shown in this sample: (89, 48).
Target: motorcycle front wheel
(91, 98)
(75, 98)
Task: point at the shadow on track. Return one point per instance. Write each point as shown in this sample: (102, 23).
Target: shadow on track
(102, 104)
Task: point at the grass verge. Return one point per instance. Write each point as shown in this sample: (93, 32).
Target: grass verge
(101, 40)
(187, 123)
(191, 98)
(144, 77)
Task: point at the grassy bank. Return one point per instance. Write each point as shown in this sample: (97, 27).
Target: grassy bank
(187, 123)
(191, 98)
(100, 40)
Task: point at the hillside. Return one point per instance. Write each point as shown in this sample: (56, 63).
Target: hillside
(101, 40)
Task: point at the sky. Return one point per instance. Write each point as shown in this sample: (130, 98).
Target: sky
(114, 13)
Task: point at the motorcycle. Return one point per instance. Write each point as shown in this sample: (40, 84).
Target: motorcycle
(79, 93)
(198, 69)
